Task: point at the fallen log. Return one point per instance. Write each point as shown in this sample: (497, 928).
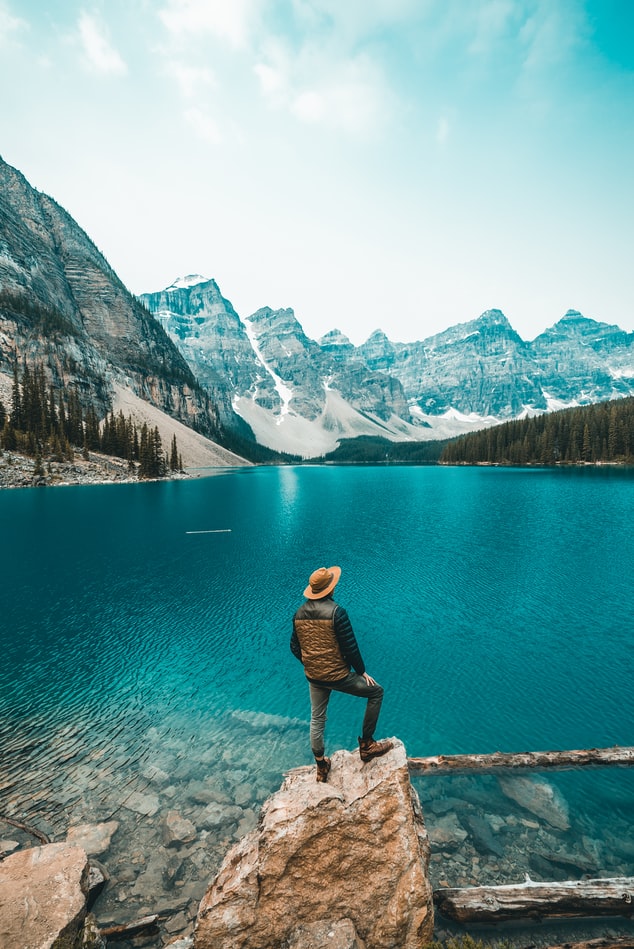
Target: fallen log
(537, 760)
(38, 834)
(148, 926)
(569, 899)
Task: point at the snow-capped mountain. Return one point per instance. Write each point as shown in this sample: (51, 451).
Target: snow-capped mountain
(303, 396)
(295, 394)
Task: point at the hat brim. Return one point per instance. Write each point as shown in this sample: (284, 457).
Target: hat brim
(308, 592)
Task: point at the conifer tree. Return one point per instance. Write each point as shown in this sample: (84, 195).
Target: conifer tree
(174, 466)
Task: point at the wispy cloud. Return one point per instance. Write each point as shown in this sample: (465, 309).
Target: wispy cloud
(205, 127)
(10, 25)
(317, 88)
(98, 54)
(231, 20)
(191, 80)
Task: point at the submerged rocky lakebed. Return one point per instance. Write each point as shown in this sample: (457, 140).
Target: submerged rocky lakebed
(171, 807)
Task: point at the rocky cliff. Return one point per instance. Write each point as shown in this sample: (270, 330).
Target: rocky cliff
(303, 396)
(294, 394)
(62, 305)
(347, 858)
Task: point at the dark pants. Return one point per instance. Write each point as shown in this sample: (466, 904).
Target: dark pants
(353, 684)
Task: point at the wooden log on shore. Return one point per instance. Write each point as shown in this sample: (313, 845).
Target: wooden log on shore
(569, 899)
(536, 760)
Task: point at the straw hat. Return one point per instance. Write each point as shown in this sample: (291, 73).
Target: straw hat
(322, 582)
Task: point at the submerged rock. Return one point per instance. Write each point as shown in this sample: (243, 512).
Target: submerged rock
(446, 833)
(540, 798)
(354, 850)
(93, 838)
(177, 830)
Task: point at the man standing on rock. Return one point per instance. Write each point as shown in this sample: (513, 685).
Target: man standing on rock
(324, 642)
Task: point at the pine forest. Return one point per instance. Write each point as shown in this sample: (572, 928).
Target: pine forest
(45, 424)
(590, 434)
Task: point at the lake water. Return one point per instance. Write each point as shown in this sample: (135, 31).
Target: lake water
(144, 668)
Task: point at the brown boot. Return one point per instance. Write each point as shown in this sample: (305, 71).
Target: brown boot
(373, 749)
(323, 769)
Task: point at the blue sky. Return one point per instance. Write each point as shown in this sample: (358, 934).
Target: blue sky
(403, 164)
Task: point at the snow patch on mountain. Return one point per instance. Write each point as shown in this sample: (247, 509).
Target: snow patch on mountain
(284, 392)
(307, 438)
(184, 283)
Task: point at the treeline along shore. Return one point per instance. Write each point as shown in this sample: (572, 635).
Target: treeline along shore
(591, 434)
(52, 427)
(602, 433)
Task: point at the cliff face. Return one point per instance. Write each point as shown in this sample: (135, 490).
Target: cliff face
(61, 304)
(349, 856)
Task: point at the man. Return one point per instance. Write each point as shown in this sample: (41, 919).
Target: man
(323, 640)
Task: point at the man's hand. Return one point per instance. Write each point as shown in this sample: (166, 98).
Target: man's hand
(369, 680)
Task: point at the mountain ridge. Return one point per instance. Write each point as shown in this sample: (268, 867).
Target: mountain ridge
(472, 375)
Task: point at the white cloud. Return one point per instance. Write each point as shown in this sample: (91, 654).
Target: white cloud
(232, 20)
(321, 86)
(190, 79)
(98, 53)
(9, 24)
(203, 125)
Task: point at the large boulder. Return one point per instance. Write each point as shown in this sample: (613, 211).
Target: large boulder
(540, 797)
(349, 855)
(43, 896)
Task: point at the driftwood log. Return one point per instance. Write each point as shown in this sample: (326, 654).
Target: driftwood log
(38, 834)
(571, 898)
(148, 926)
(537, 760)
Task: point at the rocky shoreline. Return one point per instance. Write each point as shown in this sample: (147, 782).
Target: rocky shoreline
(19, 471)
(158, 830)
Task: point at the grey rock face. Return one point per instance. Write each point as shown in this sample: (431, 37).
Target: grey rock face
(480, 369)
(210, 335)
(584, 360)
(482, 366)
(61, 304)
(267, 358)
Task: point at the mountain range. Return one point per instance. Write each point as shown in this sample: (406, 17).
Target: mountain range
(302, 396)
(185, 352)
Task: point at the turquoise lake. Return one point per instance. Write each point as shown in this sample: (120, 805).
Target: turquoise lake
(496, 607)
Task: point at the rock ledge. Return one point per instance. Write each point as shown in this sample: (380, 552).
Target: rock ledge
(351, 853)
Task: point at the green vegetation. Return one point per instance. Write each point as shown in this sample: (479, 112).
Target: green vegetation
(603, 432)
(42, 424)
(251, 451)
(371, 449)
(47, 321)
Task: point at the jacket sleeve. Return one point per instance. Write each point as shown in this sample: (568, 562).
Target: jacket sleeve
(347, 640)
(296, 649)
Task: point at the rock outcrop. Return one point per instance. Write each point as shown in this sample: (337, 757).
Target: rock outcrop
(62, 306)
(43, 896)
(348, 858)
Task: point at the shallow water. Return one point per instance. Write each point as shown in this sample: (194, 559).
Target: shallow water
(145, 668)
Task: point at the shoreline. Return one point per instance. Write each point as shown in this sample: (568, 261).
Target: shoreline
(18, 471)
